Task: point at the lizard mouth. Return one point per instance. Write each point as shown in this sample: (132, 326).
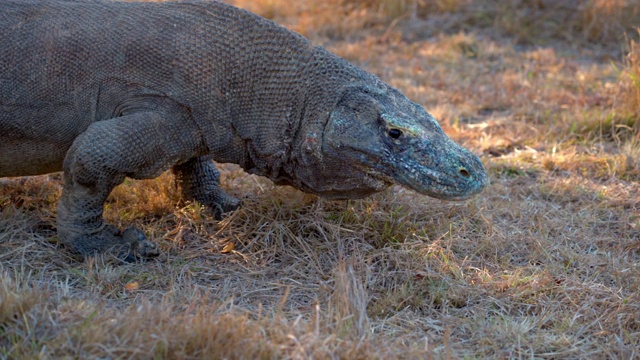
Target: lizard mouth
(454, 182)
(460, 183)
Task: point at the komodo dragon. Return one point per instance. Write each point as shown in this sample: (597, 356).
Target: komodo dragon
(107, 90)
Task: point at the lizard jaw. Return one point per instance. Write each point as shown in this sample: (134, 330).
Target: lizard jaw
(457, 178)
(440, 185)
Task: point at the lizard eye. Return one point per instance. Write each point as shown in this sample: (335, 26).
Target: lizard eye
(395, 133)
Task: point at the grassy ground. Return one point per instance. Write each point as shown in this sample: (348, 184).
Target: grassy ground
(545, 263)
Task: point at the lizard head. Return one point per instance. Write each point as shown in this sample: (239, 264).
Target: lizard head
(375, 137)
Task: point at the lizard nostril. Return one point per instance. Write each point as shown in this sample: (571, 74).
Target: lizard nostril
(464, 173)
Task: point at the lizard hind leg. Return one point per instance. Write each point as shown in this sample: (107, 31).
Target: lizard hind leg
(199, 180)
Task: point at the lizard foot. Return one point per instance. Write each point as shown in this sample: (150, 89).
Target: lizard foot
(224, 203)
(131, 243)
(219, 203)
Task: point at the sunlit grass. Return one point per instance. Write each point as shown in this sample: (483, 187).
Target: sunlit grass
(542, 264)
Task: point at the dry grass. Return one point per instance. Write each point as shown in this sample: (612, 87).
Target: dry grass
(543, 264)
(575, 22)
(627, 101)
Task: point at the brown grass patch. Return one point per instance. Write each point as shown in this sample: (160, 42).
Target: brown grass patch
(543, 264)
(628, 92)
(603, 22)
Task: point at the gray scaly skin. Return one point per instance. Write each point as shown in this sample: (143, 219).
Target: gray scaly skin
(108, 90)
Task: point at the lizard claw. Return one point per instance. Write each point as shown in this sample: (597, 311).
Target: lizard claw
(223, 204)
(139, 247)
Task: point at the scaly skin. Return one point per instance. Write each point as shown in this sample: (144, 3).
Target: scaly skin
(108, 90)
(399, 142)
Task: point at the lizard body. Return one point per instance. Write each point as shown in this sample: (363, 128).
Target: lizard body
(107, 90)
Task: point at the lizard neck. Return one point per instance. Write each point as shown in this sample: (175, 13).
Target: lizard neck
(323, 80)
(260, 94)
(241, 79)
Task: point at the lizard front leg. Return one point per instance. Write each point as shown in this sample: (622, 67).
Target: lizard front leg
(199, 180)
(139, 145)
